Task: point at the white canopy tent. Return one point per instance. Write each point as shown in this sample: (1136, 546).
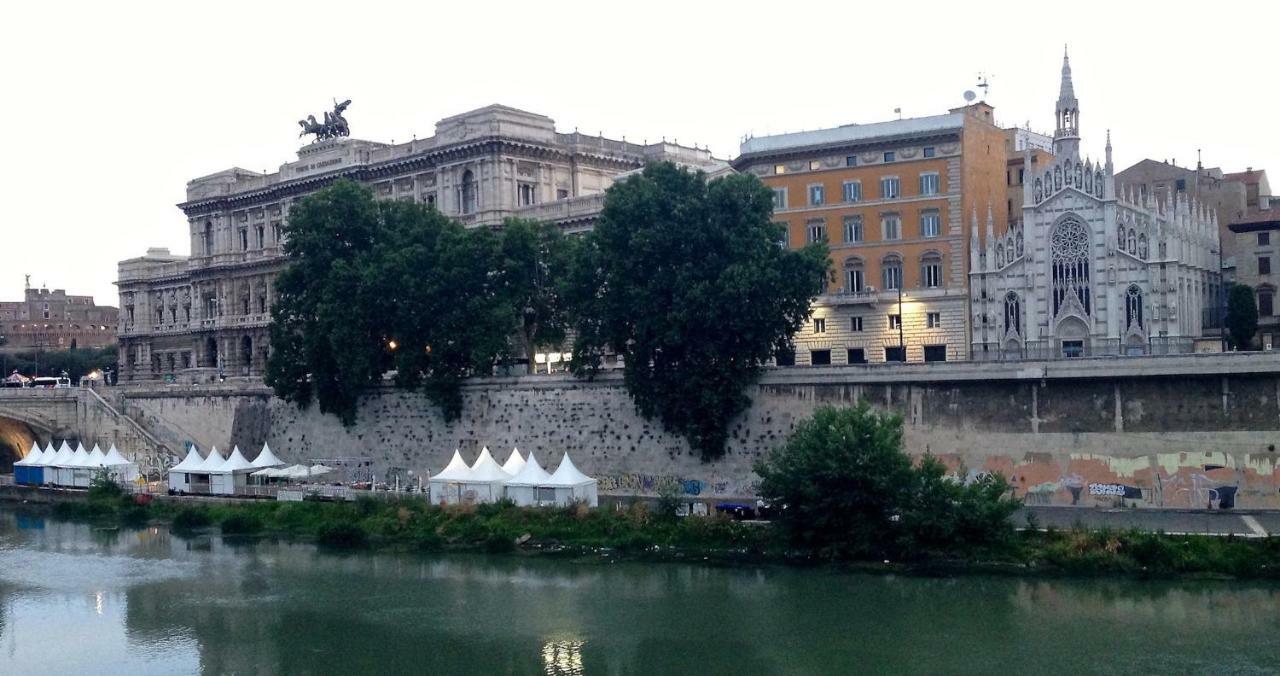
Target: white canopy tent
(29, 471)
(53, 466)
(523, 488)
(119, 467)
(487, 479)
(446, 487)
(180, 474)
(201, 475)
(267, 459)
(514, 464)
(78, 472)
(230, 476)
(571, 486)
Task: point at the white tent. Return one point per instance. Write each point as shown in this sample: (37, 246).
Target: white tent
(487, 479)
(29, 471)
(514, 464)
(79, 472)
(120, 467)
(572, 486)
(267, 459)
(53, 466)
(180, 474)
(446, 487)
(523, 488)
(228, 477)
(201, 476)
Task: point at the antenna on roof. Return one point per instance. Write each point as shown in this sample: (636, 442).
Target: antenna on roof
(899, 112)
(984, 85)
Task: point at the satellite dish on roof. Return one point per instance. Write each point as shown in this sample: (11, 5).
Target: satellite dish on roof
(969, 96)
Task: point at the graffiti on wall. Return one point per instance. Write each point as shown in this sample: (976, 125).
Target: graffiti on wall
(654, 484)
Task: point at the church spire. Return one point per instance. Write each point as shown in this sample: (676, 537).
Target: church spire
(1066, 138)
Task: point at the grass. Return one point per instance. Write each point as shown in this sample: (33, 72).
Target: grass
(637, 532)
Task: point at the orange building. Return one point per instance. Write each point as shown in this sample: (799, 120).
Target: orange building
(896, 202)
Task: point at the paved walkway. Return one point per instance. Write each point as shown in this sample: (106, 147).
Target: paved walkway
(1242, 522)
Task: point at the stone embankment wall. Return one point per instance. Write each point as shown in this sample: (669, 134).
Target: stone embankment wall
(1184, 431)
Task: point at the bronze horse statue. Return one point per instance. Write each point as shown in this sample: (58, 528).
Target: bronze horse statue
(334, 125)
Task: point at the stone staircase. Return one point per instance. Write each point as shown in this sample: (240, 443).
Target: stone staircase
(110, 426)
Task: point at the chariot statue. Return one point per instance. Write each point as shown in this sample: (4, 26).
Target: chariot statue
(334, 125)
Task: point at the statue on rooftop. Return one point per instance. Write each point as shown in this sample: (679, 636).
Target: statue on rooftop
(334, 125)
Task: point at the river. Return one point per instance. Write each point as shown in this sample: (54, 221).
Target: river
(75, 600)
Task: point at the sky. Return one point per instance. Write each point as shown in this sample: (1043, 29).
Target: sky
(110, 108)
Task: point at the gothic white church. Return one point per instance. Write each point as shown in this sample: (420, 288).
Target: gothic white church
(1089, 270)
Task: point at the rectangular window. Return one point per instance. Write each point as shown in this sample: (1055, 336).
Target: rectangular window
(817, 195)
(895, 322)
(1264, 239)
(853, 191)
(928, 184)
(857, 355)
(785, 358)
(815, 165)
(262, 237)
(932, 273)
(1264, 265)
(784, 240)
(561, 194)
(817, 231)
(820, 357)
(854, 283)
(779, 198)
(889, 156)
(933, 319)
(1181, 184)
(819, 325)
(890, 227)
(1072, 349)
(1265, 304)
(1022, 173)
(855, 324)
(930, 223)
(935, 352)
(779, 169)
(851, 161)
(895, 354)
(852, 229)
(890, 188)
(929, 151)
(244, 239)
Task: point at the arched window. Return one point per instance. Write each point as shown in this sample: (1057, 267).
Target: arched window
(1069, 262)
(208, 238)
(1133, 308)
(246, 354)
(468, 192)
(891, 272)
(1142, 246)
(1039, 190)
(1012, 313)
(931, 270)
(1079, 176)
(1133, 241)
(855, 280)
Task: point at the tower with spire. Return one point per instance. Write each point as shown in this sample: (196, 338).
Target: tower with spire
(1066, 138)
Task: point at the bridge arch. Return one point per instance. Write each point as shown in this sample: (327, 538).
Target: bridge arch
(16, 438)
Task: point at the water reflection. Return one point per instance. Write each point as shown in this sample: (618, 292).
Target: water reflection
(142, 602)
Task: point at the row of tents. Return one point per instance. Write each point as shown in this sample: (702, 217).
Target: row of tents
(74, 468)
(521, 480)
(215, 474)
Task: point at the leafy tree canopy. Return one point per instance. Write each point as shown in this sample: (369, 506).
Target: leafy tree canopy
(536, 258)
(842, 486)
(684, 278)
(1242, 316)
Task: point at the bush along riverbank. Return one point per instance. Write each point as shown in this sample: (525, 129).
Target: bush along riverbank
(640, 532)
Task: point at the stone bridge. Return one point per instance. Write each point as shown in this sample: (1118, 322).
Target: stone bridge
(75, 415)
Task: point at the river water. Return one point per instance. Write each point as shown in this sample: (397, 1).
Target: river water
(74, 600)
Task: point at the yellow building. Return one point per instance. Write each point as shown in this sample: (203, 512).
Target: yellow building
(895, 202)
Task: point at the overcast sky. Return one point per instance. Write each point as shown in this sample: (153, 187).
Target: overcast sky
(110, 108)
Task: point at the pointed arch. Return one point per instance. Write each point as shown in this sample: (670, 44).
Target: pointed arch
(1133, 315)
(1012, 313)
(1070, 257)
(1079, 176)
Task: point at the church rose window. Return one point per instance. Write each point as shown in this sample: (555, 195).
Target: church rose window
(1069, 252)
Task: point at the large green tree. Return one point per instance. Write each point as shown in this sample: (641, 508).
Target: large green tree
(535, 262)
(1242, 316)
(684, 278)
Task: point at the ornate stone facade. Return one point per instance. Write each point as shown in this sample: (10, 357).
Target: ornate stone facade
(55, 320)
(1089, 270)
(207, 316)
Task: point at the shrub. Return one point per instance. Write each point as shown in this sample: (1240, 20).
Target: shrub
(103, 488)
(189, 519)
(240, 523)
(844, 488)
(342, 535)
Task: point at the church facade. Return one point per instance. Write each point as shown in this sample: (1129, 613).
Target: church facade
(1091, 268)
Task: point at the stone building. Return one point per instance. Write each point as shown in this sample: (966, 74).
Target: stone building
(55, 320)
(207, 315)
(1089, 270)
(1256, 235)
(888, 198)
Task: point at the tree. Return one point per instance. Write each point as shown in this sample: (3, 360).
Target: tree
(1242, 316)
(684, 278)
(843, 487)
(535, 260)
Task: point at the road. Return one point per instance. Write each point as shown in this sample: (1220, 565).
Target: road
(1244, 522)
